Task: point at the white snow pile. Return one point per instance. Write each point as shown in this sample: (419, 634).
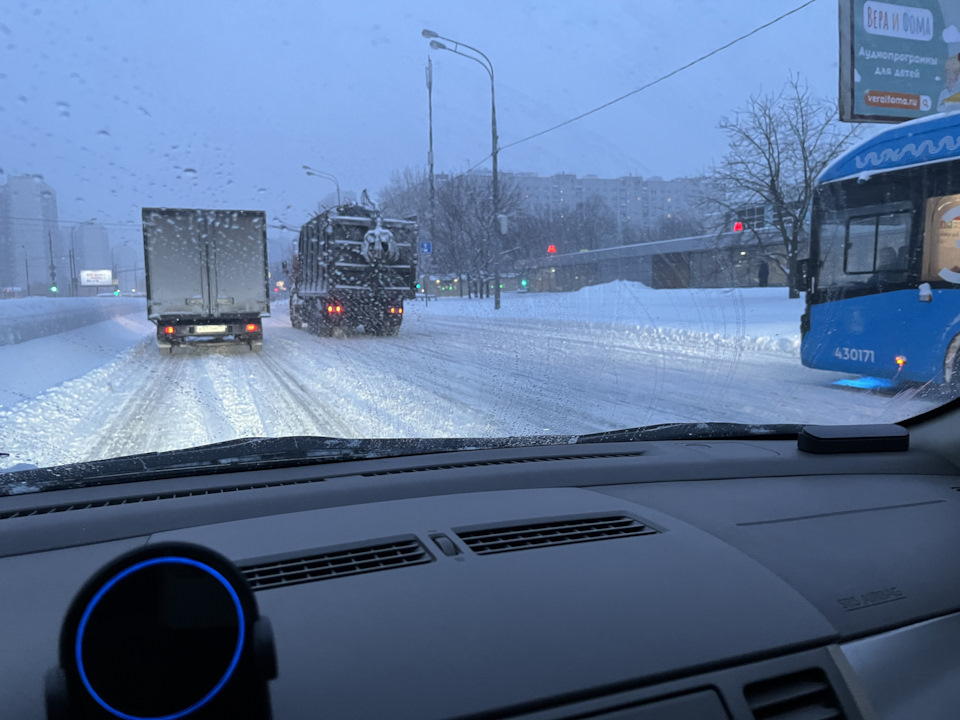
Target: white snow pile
(30, 318)
(750, 319)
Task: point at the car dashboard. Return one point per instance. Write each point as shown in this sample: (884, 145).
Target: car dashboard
(734, 579)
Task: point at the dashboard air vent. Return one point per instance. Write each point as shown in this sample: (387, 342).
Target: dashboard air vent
(511, 461)
(486, 541)
(805, 695)
(337, 563)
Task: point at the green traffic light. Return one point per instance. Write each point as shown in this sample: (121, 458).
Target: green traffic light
(53, 289)
(116, 293)
(523, 283)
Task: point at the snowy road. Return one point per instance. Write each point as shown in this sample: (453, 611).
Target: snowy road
(444, 375)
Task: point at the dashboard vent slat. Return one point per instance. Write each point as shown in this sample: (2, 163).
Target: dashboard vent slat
(336, 563)
(510, 461)
(109, 502)
(487, 541)
(805, 695)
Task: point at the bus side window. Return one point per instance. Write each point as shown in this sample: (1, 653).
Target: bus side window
(878, 244)
(893, 238)
(861, 245)
(941, 241)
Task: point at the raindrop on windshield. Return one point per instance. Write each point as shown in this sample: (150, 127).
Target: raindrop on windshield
(144, 111)
(105, 133)
(22, 98)
(190, 172)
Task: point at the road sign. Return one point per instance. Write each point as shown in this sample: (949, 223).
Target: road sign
(426, 248)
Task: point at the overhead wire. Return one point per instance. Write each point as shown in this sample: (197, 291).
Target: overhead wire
(650, 84)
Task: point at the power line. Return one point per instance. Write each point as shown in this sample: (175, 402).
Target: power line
(59, 221)
(651, 83)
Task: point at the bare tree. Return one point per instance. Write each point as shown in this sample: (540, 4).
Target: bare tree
(407, 194)
(777, 146)
(591, 225)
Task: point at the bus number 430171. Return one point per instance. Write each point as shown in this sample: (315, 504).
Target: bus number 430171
(855, 354)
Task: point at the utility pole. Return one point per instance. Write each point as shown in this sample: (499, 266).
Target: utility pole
(433, 189)
(53, 267)
(26, 269)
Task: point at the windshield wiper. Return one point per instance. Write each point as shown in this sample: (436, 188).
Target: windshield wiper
(694, 431)
(256, 453)
(260, 453)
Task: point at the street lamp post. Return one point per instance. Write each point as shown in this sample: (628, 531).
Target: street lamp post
(326, 176)
(487, 65)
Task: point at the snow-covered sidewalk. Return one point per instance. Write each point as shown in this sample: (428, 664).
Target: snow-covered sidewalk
(758, 319)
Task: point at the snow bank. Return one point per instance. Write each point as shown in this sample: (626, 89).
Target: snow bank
(753, 319)
(30, 318)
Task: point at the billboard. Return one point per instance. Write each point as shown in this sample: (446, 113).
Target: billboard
(96, 278)
(898, 61)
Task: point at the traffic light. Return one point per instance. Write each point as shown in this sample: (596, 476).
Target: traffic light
(54, 288)
(523, 283)
(116, 293)
(551, 249)
(418, 286)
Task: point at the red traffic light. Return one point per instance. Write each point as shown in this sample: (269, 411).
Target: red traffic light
(738, 226)
(551, 249)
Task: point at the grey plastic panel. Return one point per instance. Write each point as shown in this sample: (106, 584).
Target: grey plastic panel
(912, 672)
(870, 552)
(35, 592)
(475, 633)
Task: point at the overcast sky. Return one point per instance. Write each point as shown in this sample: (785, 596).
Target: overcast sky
(125, 104)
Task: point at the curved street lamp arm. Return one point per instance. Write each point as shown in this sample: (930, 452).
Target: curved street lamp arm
(489, 64)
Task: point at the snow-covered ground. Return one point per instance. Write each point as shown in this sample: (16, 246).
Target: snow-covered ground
(30, 318)
(764, 318)
(606, 357)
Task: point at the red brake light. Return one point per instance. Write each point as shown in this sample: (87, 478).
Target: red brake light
(901, 360)
(393, 311)
(251, 327)
(329, 308)
(339, 308)
(738, 226)
(169, 330)
(400, 310)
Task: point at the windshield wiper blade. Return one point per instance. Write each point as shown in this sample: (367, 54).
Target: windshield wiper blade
(255, 453)
(694, 431)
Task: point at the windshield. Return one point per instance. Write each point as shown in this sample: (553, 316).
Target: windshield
(438, 220)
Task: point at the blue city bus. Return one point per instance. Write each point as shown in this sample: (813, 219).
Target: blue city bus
(883, 278)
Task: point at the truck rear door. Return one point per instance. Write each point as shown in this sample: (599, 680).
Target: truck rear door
(236, 243)
(175, 255)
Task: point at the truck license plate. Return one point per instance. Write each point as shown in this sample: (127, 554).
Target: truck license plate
(211, 328)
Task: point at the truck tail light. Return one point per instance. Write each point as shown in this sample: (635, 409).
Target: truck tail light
(252, 327)
(169, 330)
